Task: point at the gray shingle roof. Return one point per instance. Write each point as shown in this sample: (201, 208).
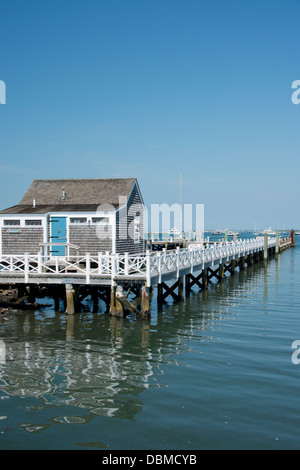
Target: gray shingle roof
(80, 195)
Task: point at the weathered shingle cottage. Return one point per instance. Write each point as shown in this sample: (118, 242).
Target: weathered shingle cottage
(80, 215)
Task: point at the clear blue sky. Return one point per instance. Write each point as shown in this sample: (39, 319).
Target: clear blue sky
(106, 88)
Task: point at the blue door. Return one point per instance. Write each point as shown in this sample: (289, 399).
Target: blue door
(59, 235)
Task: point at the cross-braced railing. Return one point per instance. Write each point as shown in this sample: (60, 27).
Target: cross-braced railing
(143, 266)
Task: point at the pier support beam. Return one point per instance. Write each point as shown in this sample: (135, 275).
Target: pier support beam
(204, 278)
(163, 291)
(72, 300)
(221, 272)
(242, 263)
(116, 308)
(187, 285)
(145, 292)
(191, 280)
(232, 267)
(218, 273)
(250, 260)
(94, 295)
(33, 292)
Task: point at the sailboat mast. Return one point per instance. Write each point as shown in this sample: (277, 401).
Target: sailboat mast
(181, 202)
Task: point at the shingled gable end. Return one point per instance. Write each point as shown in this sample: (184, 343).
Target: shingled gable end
(64, 217)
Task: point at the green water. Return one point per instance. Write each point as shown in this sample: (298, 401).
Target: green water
(213, 372)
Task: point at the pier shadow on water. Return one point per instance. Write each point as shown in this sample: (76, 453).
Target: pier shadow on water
(74, 369)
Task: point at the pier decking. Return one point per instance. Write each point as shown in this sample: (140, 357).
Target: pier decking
(107, 275)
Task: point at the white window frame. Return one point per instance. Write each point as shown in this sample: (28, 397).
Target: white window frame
(136, 230)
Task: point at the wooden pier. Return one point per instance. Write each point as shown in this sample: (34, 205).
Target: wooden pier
(126, 282)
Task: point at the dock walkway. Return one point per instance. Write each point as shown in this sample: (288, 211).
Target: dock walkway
(198, 263)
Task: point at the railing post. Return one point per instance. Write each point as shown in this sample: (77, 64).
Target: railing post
(164, 250)
(88, 268)
(39, 268)
(126, 267)
(113, 269)
(26, 268)
(191, 254)
(148, 268)
(213, 255)
(100, 262)
(117, 264)
(107, 260)
(159, 266)
(177, 260)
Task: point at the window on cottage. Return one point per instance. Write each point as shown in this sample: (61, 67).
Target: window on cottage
(100, 220)
(136, 231)
(33, 222)
(12, 222)
(78, 220)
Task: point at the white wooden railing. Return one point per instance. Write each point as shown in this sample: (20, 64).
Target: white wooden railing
(116, 266)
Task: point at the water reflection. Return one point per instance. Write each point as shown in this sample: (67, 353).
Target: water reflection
(101, 364)
(101, 375)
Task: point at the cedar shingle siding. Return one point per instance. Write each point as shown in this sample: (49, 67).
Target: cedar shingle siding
(26, 241)
(91, 239)
(125, 225)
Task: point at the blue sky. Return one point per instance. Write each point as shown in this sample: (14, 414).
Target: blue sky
(148, 88)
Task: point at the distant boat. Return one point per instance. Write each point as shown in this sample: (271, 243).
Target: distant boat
(270, 231)
(175, 233)
(216, 232)
(232, 233)
(256, 232)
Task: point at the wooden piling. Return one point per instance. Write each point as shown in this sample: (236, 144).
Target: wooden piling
(204, 279)
(145, 302)
(72, 301)
(242, 263)
(116, 308)
(159, 295)
(95, 298)
(232, 267)
(187, 285)
(33, 291)
(221, 272)
(180, 288)
(250, 260)
(292, 237)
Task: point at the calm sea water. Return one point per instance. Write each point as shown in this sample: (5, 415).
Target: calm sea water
(213, 372)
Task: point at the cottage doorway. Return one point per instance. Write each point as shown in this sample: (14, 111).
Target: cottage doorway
(58, 227)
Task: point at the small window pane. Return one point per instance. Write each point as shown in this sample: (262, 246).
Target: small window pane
(33, 222)
(78, 220)
(102, 220)
(11, 222)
